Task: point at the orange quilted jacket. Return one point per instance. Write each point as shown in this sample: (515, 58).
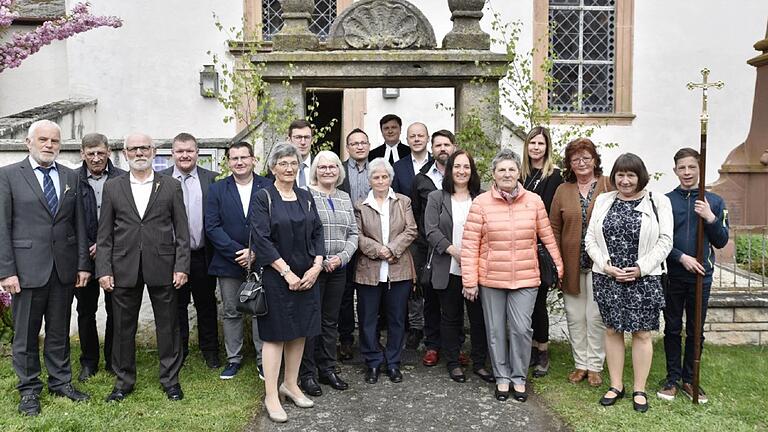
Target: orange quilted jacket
(498, 249)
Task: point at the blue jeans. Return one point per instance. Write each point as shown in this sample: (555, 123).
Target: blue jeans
(679, 297)
(395, 297)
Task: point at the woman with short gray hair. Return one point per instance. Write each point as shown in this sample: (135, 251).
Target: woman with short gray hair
(281, 151)
(340, 232)
(500, 264)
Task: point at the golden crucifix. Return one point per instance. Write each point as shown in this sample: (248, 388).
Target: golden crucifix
(704, 85)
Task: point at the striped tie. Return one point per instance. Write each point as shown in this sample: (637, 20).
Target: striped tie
(49, 190)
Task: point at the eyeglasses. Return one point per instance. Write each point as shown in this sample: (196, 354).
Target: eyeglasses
(581, 160)
(327, 168)
(144, 149)
(301, 137)
(359, 144)
(285, 165)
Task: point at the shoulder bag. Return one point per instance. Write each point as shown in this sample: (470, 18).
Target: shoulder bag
(253, 299)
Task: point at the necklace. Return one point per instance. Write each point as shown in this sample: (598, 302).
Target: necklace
(532, 182)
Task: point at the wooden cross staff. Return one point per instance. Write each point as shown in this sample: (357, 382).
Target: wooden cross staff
(704, 86)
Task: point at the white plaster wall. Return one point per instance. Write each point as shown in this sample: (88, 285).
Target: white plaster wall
(40, 79)
(672, 42)
(145, 74)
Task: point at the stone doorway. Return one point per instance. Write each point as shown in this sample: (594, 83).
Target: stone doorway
(330, 106)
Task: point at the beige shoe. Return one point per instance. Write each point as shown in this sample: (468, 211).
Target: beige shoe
(278, 416)
(594, 379)
(300, 401)
(577, 375)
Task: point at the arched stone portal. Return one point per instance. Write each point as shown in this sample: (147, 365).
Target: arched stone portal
(386, 43)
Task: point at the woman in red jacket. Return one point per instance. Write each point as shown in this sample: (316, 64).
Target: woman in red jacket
(499, 263)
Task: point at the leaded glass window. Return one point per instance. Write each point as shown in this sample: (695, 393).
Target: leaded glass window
(582, 42)
(322, 18)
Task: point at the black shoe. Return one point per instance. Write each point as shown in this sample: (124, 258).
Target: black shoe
(501, 395)
(519, 396)
(372, 375)
(457, 375)
(608, 401)
(310, 386)
(174, 393)
(637, 406)
(85, 373)
(485, 375)
(414, 339)
(212, 360)
(330, 378)
(30, 405)
(70, 393)
(346, 352)
(118, 395)
(395, 375)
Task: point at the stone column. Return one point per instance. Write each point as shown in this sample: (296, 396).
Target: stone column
(295, 34)
(480, 100)
(293, 95)
(743, 178)
(466, 32)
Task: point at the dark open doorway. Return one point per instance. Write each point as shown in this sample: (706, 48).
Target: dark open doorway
(328, 106)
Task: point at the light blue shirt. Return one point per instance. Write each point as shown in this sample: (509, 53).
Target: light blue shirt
(54, 173)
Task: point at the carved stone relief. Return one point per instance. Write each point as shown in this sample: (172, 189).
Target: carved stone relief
(380, 25)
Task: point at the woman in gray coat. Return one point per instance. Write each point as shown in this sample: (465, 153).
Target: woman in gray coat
(444, 219)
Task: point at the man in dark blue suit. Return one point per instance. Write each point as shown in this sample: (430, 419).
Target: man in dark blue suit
(226, 225)
(405, 170)
(195, 181)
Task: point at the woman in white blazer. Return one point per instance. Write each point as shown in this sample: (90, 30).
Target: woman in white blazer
(628, 239)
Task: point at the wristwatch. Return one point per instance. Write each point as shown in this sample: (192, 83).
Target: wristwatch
(286, 271)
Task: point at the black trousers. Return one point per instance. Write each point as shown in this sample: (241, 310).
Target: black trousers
(201, 287)
(320, 351)
(126, 303)
(394, 295)
(347, 309)
(681, 297)
(432, 313)
(53, 301)
(87, 306)
(540, 316)
(452, 303)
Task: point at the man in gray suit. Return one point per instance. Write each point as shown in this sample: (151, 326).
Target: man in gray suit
(143, 239)
(195, 181)
(43, 257)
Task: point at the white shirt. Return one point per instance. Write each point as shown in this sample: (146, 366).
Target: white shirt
(384, 214)
(141, 191)
(54, 173)
(418, 165)
(460, 210)
(436, 176)
(245, 195)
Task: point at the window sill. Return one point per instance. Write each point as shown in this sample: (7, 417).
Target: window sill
(617, 119)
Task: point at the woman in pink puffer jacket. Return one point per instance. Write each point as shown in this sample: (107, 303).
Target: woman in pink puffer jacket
(500, 264)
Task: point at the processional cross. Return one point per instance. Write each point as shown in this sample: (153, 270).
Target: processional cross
(704, 85)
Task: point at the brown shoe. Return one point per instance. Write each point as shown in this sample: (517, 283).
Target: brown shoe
(594, 379)
(577, 375)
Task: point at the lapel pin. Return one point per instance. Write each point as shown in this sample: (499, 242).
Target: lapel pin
(157, 186)
(66, 189)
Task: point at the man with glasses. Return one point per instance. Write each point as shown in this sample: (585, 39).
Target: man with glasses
(96, 169)
(195, 181)
(143, 239)
(357, 186)
(300, 135)
(43, 259)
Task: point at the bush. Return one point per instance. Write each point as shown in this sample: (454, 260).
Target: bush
(751, 253)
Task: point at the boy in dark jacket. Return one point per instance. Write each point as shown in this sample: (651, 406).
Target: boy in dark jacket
(683, 268)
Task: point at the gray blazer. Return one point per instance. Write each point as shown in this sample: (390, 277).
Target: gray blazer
(438, 226)
(31, 239)
(159, 241)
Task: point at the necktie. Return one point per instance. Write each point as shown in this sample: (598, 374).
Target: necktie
(194, 204)
(302, 177)
(49, 191)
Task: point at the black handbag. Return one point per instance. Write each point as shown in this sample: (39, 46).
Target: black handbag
(425, 275)
(252, 299)
(547, 268)
(664, 274)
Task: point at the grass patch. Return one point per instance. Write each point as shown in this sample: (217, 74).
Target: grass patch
(735, 379)
(209, 403)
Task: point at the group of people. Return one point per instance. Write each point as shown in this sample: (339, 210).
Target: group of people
(402, 234)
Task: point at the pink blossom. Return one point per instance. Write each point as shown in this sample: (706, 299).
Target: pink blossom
(5, 299)
(22, 45)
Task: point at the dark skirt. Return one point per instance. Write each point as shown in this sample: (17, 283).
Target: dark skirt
(292, 314)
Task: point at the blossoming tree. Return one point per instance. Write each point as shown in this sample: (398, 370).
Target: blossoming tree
(22, 45)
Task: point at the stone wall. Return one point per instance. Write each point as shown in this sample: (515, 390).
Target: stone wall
(737, 318)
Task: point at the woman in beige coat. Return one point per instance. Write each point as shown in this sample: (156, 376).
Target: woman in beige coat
(384, 269)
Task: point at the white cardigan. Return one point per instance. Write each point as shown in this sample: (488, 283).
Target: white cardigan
(655, 238)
